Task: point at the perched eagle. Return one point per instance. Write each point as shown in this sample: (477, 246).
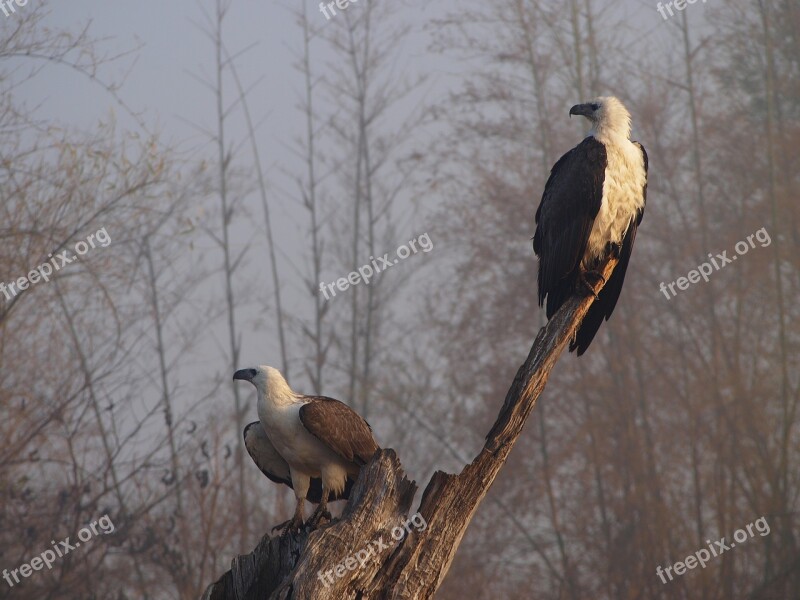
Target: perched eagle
(591, 206)
(313, 444)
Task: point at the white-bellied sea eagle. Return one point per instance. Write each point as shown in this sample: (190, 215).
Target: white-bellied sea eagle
(591, 207)
(314, 444)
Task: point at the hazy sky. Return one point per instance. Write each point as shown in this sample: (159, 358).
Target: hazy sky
(161, 81)
(161, 84)
(174, 50)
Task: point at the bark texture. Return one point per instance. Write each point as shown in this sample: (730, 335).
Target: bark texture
(294, 567)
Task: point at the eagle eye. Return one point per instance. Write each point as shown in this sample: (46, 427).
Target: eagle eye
(595, 106)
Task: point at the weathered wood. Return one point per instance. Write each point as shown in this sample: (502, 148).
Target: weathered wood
(415, 566)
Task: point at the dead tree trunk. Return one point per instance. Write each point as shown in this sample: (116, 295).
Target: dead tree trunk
(372, 563)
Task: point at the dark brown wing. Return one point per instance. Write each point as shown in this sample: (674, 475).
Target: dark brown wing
(339, 427)
(570, 202)
(264, 454)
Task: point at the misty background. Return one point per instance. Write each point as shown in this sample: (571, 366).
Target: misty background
(240, 153)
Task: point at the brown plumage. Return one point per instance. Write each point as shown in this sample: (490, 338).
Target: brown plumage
(339, 427)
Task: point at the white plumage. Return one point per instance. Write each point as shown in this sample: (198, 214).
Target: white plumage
(319, 438)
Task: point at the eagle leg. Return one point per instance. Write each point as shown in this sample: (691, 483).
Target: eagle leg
(322, 508)
(588, 285)
(613, 249)
(293, 524)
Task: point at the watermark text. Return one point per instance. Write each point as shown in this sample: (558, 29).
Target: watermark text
(45, 270)
(60, 549)
(702, 556)
(678, 4)
(717, 262)
(366, 272)
(360, 558)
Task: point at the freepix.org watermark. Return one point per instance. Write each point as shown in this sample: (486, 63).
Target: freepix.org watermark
(8, 5)
(60, 549)
(702, 556)
(360, 558)
(45, 270)
(366, 272)
(678, 4)
(705, 269)
(324, 7)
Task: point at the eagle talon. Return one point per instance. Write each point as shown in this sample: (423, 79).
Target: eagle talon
(589, 289)
(613, 249)
(588, 285)
(596, 274)
(318, 517)
(293, 525)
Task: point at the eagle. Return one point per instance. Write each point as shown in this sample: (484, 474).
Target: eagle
(314, 444)
(592, 205)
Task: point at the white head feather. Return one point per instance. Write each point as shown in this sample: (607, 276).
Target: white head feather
(272, 386)
(609, 117)
(612, 117)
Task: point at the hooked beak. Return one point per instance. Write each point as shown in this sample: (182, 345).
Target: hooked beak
(245, 374)
(584, 110)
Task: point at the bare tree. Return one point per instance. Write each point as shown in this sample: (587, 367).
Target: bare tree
(309, 188)
(365, 90)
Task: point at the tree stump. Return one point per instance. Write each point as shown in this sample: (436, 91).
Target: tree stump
(362, 555)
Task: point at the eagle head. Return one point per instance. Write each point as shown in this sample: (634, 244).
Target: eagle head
(267, 380)
(607, 114)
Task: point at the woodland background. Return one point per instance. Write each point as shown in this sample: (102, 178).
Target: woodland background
(679, 425)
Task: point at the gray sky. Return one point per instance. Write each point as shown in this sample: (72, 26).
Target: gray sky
(161, 85)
